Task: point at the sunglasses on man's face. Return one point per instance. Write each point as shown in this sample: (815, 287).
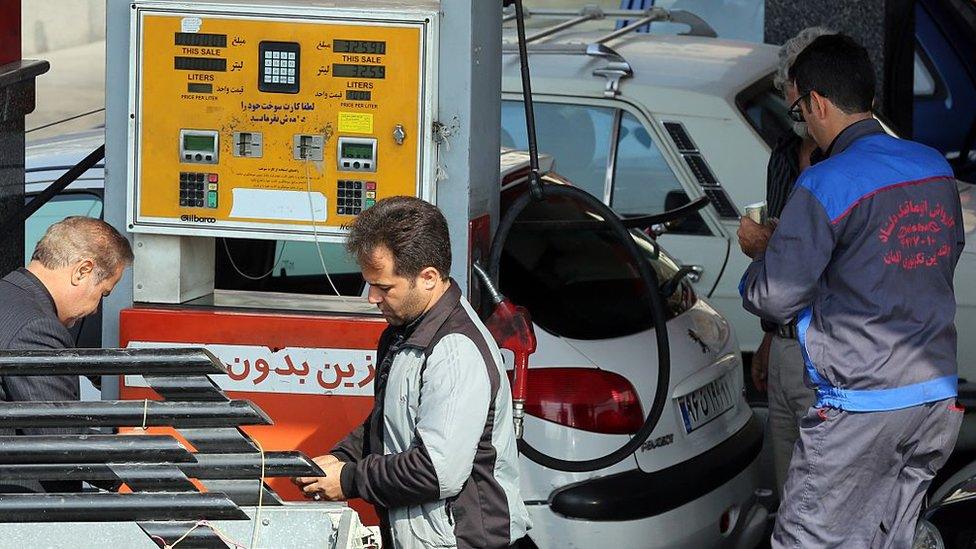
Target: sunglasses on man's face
(794, 111)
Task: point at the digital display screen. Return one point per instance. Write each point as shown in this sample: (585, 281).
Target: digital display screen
(357, 150)
(201, 39)
(198, 143)
(358, 71)
(200, 64)
(199, 88)
(358, 46)
(353, 95)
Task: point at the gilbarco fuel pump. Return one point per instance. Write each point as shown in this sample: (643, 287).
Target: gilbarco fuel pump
(271, 124)
(283, 120)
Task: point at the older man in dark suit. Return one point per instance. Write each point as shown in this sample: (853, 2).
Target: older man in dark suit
(77, 263)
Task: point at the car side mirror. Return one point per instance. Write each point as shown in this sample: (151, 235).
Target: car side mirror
(690, 223)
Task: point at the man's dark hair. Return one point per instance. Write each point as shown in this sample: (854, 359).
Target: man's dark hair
(414, 231)
(838, 68)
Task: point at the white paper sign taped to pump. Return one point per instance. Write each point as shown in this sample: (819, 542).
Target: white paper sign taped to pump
(278, 205)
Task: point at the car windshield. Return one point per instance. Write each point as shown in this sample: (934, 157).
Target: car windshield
(580, 283)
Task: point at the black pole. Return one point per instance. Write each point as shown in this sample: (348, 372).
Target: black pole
(95, 362)
(535, 181)
(218, 440)
(248, 466)
(108, 507)
(206, 467)
(186, 387)
(53, 189)
(130, 413)
(91, 449)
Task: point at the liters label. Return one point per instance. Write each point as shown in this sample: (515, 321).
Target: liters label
(355, 122)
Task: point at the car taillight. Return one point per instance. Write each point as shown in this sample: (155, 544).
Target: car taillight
(584, 398)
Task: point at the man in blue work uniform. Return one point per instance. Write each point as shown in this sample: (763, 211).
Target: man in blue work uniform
(864, 259)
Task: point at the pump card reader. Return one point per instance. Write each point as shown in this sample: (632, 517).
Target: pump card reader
(277, 122)
(357, 154)
(199, 146)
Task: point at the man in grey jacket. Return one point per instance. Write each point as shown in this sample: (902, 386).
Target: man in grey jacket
(76, 263)
(437, 455)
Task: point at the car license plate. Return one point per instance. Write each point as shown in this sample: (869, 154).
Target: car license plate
(707, 403)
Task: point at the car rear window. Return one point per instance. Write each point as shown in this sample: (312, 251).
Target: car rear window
(579, 283)
(577, 136)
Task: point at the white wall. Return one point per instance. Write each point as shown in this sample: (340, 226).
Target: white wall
(57, 24)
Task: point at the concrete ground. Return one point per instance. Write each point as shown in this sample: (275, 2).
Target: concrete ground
(74, 85)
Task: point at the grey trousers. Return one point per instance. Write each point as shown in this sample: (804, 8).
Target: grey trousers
(789, 401)
(857, 480)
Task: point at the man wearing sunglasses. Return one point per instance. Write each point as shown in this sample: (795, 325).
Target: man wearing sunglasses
(863, 258)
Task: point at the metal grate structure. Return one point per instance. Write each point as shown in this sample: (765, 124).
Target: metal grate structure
(175, 490)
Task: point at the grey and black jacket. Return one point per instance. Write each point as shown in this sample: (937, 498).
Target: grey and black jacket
(437, 455)
(864, 258)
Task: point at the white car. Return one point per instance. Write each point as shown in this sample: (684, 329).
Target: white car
(694, 482)
(648, 122)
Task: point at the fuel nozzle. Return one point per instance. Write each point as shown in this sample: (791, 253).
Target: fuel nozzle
(511, 326)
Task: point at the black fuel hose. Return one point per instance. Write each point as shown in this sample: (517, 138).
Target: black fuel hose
(658, 316)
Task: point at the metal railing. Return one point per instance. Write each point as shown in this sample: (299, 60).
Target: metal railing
(161, 472)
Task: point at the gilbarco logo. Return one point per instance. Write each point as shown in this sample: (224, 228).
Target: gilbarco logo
(192, 218)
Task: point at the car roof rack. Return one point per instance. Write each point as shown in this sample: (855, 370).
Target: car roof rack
(617, 68)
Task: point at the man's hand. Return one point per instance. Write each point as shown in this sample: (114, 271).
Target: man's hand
(753, 237)
(327, 487)
(322, 461)
(760, 363)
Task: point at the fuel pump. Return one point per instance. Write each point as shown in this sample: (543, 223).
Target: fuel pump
(274, 122)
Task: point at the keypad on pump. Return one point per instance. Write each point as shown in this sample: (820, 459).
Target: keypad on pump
(352, 197)
(279, 67)
(198, 190)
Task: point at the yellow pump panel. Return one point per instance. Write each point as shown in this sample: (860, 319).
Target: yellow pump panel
(245, 124)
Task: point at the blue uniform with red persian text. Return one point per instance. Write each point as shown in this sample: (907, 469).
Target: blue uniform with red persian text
(864, 260)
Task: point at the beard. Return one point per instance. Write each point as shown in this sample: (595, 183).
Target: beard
(410, 309)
